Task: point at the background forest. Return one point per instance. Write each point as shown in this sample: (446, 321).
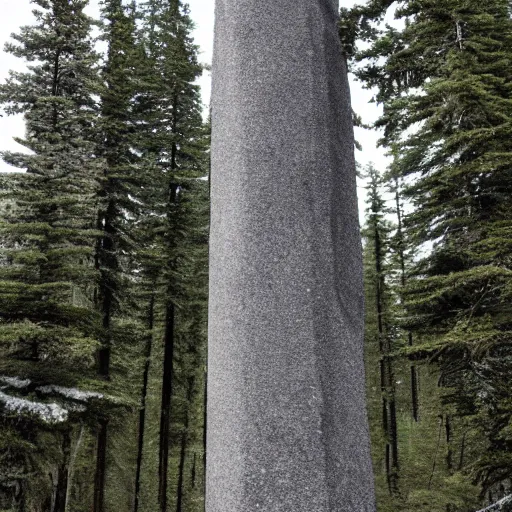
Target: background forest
(104, 249)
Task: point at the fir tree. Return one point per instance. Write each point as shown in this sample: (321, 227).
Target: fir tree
(173, 144)
(445, 86)
(48, 327)
(118, 191)
(377, 232)
(402, 261)
(104, 244)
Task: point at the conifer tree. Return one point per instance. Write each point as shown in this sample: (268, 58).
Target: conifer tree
(104, 242)
(377, 236)
(402, 261)
(48, 327)
(118, 191)
(445, 87)
(173, 146)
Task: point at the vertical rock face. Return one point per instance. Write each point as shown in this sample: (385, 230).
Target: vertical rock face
(287, 427)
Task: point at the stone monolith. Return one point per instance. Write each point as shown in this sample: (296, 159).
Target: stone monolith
(287, 426)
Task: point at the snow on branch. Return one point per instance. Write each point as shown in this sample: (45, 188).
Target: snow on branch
(50, 413)
(498, 506)
(15, 382)
(71, 393)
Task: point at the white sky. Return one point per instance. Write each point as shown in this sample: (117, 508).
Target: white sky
(19, 12)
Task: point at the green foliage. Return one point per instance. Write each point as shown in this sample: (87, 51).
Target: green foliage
(109, 214)
(444, 83)
(48, 329)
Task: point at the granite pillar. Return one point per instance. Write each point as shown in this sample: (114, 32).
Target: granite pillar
(287, 426)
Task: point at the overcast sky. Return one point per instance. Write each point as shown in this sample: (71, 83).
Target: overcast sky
(19, 12)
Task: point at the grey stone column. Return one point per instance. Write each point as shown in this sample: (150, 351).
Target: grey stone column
(287, 427)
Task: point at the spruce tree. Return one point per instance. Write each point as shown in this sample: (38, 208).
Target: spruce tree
(445, 87)
(117, 199)
(380, 300)
(104, 253)
(173, 144)
(48, 327)
(402, 262)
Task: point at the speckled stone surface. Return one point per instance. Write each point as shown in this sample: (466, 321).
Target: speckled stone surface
(287, 427)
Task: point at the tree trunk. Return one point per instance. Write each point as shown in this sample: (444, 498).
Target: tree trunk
(61, 490)
(107, 265)
(434, 463)
(449, 447)
(414, 393)
(142, 411)
(101, 462)
(71, 471)
(183, 449)
(401, 255)
(287, 426)
(462, 451)
(205, 430)
(181, 468)
(389, 421)
(167, 377)
(193, 473)
(393, 431)
(165, 409)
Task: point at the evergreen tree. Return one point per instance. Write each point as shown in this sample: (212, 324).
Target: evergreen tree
(48, 327)
(376, 234)
(173, 144)
(422, 479)
(402, 261)
(118, 205)
(104, 251)
(445, 87)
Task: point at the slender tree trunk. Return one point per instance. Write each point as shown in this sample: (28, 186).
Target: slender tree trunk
(104, 372)
(183, 450)
(434, 463)
(389, 421)
(72, 464)
(165, 409)
(462, 450)
(394, 443)
(167, 377)
(414, 392)
(55, 79)
(384, 368)
(101, 463)
(385, 415)
(61, 491)
(449, 447)
(193, 473)
(401, 255)
(181, 469)
(392, 424)
(205, 423)
(107, 265)
(387, 465)
(142, 411)
(55, 84)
